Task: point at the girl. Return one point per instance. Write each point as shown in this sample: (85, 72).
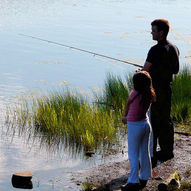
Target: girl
(135, 116)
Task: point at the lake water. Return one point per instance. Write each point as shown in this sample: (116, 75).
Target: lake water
(116, 28)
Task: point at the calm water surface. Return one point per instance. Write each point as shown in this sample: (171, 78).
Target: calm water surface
(115, 28)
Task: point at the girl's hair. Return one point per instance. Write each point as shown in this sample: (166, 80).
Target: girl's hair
(143, 84)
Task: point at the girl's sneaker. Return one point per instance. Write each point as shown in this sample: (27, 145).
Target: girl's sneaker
(143, 183)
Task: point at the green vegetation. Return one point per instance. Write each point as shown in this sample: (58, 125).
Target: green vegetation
(185, 186)
(180, 185)
(181, 98)
(87, 186)
(67, 118)
(62, 117)
(115, 94)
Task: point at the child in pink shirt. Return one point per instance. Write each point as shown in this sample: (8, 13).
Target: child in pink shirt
(135, 116)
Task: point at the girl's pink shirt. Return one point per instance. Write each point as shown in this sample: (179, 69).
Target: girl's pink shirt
(137, 111)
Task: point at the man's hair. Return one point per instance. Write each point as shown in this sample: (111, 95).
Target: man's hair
(162, 25)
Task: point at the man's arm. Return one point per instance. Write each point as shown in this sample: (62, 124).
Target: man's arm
(176, 68)
(174, 59)
(150, 59)
(147, 66)
(176, 62)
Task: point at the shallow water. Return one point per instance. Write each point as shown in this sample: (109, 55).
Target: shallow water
(115, 28)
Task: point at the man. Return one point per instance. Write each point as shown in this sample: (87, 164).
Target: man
(162, 62)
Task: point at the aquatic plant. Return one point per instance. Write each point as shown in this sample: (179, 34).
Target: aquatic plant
(88, 186)
(115, 93)
(181, 95)
(66, 118)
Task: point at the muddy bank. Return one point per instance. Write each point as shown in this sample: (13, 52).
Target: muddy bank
(113, 175)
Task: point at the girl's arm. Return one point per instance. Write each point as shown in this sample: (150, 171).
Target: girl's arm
(127, 107)
(124, 118)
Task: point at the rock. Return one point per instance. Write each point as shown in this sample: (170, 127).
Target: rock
(22, 180)
(89, 153)
(158, 178)
(174, 182)
(162, 187)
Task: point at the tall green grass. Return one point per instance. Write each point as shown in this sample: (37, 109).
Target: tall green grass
(115, 94)
(62, 117)
(181, 96)
(67, 118)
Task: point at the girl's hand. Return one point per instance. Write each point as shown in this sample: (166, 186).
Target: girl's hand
(124, 120)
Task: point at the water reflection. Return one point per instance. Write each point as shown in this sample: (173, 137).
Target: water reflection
(17, 156)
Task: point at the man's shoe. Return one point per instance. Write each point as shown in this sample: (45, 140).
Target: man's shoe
(154, 162)
(143, 183)
(131, 187)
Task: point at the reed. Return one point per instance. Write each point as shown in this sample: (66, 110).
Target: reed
(67, 118)
(115, 93)
(181, 96)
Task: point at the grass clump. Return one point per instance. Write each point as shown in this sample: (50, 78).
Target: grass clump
(115, 94)
(70, 119)
(88, 186)
(63, 117)
(185, 186)
(181, 96)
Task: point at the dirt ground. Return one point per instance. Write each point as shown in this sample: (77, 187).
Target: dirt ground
(113, 175)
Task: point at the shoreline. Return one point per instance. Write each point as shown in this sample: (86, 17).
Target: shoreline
(113, 175)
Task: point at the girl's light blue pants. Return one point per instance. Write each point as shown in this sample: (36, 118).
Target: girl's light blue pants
(139, 151)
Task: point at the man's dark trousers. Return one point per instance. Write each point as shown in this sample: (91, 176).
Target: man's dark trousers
(163, 129)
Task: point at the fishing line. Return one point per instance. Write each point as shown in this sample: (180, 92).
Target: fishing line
(82, 50)
(95, 54)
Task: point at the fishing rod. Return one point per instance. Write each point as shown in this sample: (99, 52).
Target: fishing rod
(82, 50)
(95, 54)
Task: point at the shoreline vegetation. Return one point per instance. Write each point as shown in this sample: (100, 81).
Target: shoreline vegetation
(67, 118)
